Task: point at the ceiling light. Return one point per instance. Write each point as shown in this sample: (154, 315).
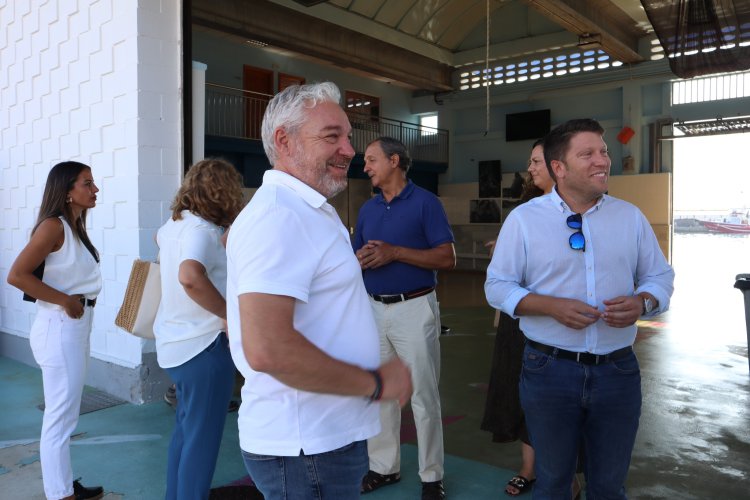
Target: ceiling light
(256, 43)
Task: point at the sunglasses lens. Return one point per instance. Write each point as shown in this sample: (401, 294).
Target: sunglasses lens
(577, 241)
(575, 221)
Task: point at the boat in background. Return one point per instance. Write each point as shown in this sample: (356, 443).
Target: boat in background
(735, 223)
(689, 225)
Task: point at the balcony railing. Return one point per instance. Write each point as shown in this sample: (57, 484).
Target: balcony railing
(234, 112)
(423, 143)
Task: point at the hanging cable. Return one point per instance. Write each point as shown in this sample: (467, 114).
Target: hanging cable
(486, 76)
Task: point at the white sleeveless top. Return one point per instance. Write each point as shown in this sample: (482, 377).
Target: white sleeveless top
(72, 269)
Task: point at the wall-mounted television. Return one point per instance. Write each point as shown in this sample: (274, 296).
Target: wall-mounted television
(529, 125)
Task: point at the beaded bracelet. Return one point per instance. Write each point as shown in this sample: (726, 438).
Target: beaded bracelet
(378, 392)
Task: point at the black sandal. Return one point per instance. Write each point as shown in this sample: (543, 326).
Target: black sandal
(372, 481)
(520, 483)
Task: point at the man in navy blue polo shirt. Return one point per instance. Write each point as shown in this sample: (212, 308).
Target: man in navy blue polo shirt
(402, 239)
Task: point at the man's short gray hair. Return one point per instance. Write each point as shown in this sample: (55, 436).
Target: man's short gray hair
(287, 110)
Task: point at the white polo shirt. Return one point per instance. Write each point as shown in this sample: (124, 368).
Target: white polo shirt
(182, 328)
(289, 241)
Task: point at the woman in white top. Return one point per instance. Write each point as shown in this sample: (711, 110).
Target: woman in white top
(191, 343)
(65, 297)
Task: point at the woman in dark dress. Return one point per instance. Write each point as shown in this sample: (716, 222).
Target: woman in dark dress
(503, 416)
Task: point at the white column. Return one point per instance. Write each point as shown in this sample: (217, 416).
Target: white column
(199, 110)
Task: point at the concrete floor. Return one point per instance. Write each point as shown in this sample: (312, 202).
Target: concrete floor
(693, 443)
(694, 436)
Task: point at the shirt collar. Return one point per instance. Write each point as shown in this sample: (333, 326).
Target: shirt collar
(405, 193)
(563, 207)
(308, 194)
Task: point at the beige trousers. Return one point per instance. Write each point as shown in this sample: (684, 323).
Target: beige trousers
(411, 330)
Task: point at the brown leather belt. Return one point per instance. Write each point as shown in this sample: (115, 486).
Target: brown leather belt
(392, 299)
(586, 358)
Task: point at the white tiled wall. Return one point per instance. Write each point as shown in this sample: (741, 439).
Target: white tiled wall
(97, 81)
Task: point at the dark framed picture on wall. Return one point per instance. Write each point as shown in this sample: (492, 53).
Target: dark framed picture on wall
(490, 179)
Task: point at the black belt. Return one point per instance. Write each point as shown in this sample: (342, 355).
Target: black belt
(392, 299)
(586, 358)
(88, 302)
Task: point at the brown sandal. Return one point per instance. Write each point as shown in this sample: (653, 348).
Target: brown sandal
(372, 481)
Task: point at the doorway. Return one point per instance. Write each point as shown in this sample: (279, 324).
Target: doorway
(711, 181)
(258, 86)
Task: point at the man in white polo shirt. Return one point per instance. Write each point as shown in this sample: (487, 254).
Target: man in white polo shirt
(300, 324)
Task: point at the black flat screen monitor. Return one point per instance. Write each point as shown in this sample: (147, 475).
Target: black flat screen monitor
(529, 125)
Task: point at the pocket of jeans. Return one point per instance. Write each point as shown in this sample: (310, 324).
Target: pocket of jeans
(345, 449)
(628, 364)
(534, 361)
(258, 458)
(213, 345)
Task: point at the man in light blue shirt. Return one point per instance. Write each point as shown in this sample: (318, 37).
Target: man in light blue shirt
(579, 268)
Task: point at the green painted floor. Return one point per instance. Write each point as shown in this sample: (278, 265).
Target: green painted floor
(693, 442)
(124, 447)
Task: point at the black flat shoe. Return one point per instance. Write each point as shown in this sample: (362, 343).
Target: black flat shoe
(433, 490)
(83, 493)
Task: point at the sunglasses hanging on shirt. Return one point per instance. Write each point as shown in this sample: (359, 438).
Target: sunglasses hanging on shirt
(576, 240)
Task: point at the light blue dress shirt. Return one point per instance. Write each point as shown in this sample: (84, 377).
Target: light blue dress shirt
(622, 258)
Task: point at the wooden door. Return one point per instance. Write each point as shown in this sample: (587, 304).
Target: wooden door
(258, 86)
(288, 80)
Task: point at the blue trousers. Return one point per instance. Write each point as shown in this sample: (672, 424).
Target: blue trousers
(567, 403)
(204, 388)
(334, 475)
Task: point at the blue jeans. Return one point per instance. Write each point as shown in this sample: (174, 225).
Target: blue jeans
(334, 475)
(567, 403)
(204, 388)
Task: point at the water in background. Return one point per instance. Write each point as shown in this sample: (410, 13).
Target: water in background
(705, 301)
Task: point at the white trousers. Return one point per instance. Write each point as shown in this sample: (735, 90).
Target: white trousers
(61, 348)
(411, 330)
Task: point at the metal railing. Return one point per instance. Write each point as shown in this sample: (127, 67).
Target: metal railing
(232, 112)
(423, 143)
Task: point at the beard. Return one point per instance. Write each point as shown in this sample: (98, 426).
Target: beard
(314, 172)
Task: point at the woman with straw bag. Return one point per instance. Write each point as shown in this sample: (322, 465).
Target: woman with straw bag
(190, 325)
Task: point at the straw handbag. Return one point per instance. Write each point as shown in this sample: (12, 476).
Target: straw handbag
(142, 297)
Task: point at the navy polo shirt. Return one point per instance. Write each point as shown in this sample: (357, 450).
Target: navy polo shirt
(414, 219)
